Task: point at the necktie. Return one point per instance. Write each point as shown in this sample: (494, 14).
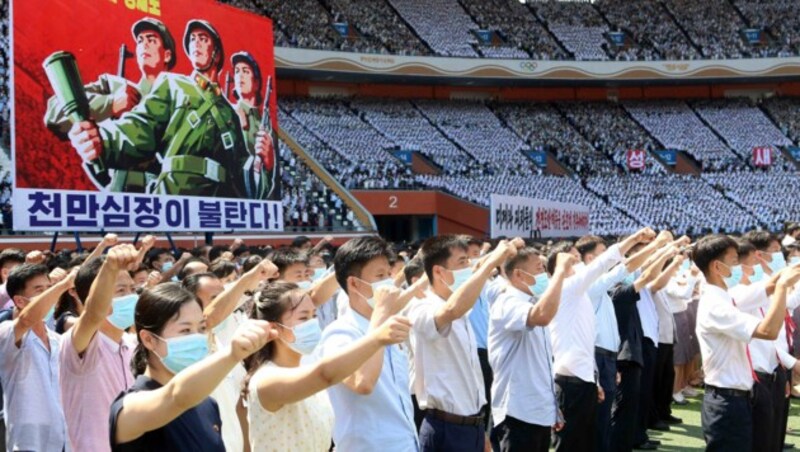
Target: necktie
(749, 359)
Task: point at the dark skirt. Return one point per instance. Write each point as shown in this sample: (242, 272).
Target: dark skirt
(695, 346)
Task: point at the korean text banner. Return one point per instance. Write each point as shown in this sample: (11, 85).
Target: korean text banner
(130, 108)
(516, 216)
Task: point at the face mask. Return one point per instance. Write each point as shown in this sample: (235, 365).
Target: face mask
(685, 265)
(306, 336)
(166, 266)
(540, 283)
(794, 261)
(629, 280)
(778, 262)
(459, 278)
(735, 277)
(228, 285)
(758, 274)
(49, 316)
(124, 309)
(319, 273)
(305, 285)
(474, 261)
(183, 351)
(382, 283)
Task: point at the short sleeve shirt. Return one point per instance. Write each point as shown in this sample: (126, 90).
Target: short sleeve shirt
(199, 429)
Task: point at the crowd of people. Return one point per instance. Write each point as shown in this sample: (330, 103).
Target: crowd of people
(454, 343)
(541, 29)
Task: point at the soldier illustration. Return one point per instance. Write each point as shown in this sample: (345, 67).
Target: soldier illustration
(259, 169)
(185, 122)
(112, 95)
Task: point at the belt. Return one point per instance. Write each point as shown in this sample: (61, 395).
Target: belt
(571, 379)
(763, 376)
(138, 178)
(604, 352)
(454, 418)
(728, 391)
(201, 166)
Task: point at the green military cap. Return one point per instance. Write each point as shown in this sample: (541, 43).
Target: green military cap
(149, 23)
(247, 58)
(219, 53)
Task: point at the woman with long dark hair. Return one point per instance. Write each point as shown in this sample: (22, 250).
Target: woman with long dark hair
(288, 409)
(169, 408)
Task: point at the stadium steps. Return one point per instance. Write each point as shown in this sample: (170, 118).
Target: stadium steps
(607, 201)
(718, 135)
(777, 125)
(362, 214)
(682, 29)
(443, 133)
(741, 206)
(410, 27)
(550, 32)
(587, 139)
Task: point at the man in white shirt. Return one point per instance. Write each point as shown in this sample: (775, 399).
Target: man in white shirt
(448, 380)
(724, 333)
(523, 394)
(573, 334)
(29, 363)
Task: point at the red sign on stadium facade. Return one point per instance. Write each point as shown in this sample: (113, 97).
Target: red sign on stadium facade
(636, 159)
(762, 156)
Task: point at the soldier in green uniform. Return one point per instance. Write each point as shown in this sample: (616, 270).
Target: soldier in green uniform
(111, 96)
(259, 171)
(185, 122)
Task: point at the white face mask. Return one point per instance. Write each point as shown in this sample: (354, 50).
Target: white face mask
(388, 282)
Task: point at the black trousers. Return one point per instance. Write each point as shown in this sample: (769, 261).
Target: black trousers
(727, 422)
(436, 435)
(419, 415)
(488, 378)
(781, 404)
(649, 356)
(663, 380)
(577, 400)
(765, 419)
(625, 409)
(513, 435)
(607, 376)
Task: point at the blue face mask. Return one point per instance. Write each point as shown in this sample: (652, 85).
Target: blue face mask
(685, 265)
(794, 261)
(306, 336)
(388, 282)
(319, 273)
(305, 285)
(540, 283)
(183, 351)
(758, 274)
(49, 316)
(735, 277)
(778, 262)
(124, 309)
(459, 278)
(630, 279)
(166, 266)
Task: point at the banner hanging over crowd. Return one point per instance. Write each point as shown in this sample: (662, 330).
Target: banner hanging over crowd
(143, 115)
(517, 216)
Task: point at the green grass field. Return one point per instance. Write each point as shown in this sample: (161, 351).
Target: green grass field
(689, 436)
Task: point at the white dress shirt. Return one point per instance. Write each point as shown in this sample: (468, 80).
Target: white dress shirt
(521, 359)
(648, 315)
(666, 321)
(604, 315)
(448, 374)
(572, 330)
(679, 292)
(724, 333)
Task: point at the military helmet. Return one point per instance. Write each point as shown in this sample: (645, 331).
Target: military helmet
(149, 23)
(219, 53)
(247, 58)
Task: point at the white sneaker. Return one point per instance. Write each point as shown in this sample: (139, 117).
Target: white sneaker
(690, 392)
(678, 398)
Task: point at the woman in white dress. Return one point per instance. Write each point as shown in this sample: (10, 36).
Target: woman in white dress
(287, 406)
